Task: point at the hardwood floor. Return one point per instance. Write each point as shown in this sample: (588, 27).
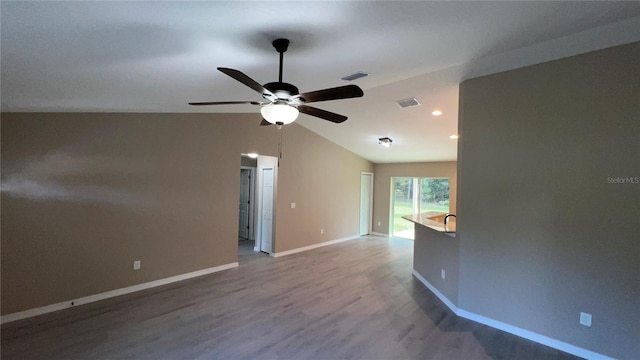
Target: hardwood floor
(353, 300)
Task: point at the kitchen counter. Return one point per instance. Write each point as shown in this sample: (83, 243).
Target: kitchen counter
(434, 221)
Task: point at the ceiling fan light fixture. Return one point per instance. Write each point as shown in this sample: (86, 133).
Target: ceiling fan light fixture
(279, 114)
(385, 141)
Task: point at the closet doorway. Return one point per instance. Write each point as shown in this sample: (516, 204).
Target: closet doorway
(246, 204)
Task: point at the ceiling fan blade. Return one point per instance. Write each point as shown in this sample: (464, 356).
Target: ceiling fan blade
(341, 92)
(265, 123)
(323, 114)
(246, 80)
(225, 103)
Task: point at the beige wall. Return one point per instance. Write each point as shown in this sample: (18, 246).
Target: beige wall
(544, 234)
(83, 195)
(382, 186)
(317, 172)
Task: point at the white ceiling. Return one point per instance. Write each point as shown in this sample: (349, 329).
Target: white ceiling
(156, 56)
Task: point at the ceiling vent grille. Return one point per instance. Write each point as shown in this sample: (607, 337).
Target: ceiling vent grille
(405, 103)
(357, 75)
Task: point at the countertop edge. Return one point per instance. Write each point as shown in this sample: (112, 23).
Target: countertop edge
(422, 219)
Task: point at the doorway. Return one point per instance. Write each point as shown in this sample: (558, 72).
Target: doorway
(247, 195)
(246, 205)
(366, 211)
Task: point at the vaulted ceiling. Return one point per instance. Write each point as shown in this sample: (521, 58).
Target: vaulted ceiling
(156, 56)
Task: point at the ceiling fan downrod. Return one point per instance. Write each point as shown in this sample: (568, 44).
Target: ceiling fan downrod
(281, 46)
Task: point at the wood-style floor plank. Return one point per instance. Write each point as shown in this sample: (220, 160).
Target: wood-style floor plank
(353, 300)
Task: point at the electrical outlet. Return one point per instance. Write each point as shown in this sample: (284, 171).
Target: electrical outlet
(585, 319)
(321, 231)
(442, 274)
(137, 265)
(293, 205)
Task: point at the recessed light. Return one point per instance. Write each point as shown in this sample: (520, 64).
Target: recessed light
(436, 112)
(454, 136)
(385, 141)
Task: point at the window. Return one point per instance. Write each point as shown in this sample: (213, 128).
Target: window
(414, 196)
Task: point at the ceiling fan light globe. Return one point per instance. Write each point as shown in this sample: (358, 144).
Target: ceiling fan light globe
(279, 113)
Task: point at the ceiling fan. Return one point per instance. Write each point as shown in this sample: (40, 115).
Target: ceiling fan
(283, 101)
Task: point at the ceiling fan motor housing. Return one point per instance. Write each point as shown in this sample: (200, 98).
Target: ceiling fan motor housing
(278, 88)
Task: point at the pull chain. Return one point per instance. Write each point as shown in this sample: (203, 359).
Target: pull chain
(279, 149)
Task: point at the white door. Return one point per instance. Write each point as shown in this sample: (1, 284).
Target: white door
(245, 193)
(266, 229)
(366, 189)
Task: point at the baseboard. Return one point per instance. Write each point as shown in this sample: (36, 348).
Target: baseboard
(379, 234)
(530, 335)
(314, 246)
(436, 292)
(109, 294)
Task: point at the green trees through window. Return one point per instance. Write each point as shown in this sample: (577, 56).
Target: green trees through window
(434, 194)
(414, 196)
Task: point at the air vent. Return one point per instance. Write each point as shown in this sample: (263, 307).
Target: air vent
(405, 103)
(357, 75)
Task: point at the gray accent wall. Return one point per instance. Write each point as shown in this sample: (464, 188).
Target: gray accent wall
(549, 199)
(433, 252)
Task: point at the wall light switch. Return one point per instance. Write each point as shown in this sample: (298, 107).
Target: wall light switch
(321, 231)
(293, 205)
(442, 273)
(378, 223)
(585, 319)
(137, 264)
